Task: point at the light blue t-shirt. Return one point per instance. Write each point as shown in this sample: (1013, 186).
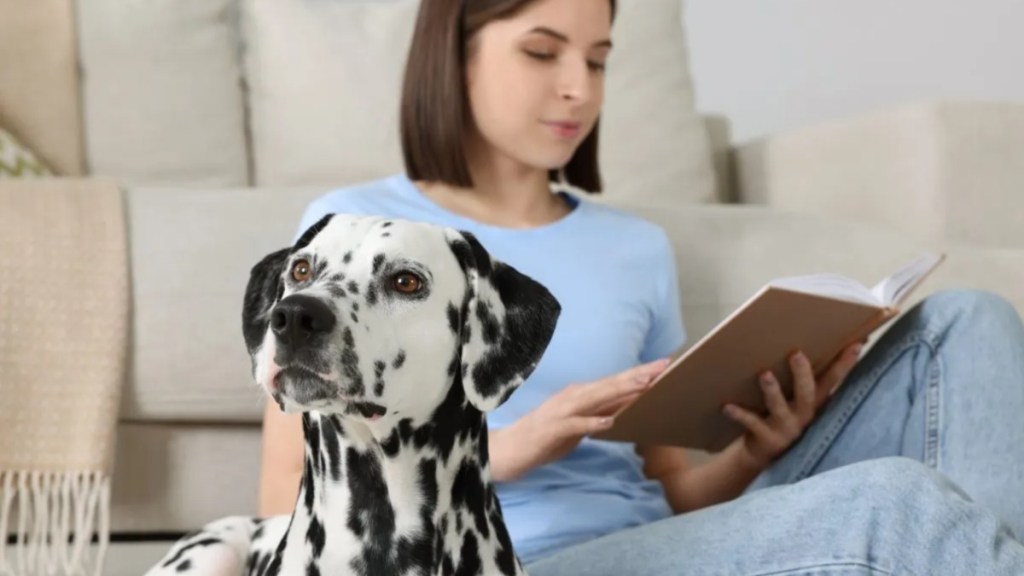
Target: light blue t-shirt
(615, 279)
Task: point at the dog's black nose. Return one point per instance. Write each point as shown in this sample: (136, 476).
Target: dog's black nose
(299, 318)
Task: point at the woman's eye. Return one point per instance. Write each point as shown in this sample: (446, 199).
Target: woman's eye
(301, 270)
(596, 65)
(407, 283)
(540, 55)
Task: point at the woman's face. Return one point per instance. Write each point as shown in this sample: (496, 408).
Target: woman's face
(536, 80)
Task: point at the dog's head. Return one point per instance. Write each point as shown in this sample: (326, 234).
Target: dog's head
(371, 317)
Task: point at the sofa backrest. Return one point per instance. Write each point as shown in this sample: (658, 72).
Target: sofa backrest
(212, 93)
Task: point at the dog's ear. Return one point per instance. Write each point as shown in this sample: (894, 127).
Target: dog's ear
(507, 320)
(264, 288)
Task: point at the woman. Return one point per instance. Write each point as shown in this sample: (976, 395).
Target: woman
(501, 96)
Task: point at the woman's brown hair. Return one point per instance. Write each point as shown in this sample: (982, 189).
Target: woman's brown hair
(435, 111)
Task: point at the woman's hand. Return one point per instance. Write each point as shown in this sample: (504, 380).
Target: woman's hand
(768, 437)
(554, 428)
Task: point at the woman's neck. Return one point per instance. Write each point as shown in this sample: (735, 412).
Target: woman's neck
(505, 193)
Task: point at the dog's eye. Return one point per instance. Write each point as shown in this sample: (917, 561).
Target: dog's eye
(407, 283)
(301, 270)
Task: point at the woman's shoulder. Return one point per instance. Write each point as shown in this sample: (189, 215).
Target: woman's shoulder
(612, 220)
(379, 196)
(365, 197)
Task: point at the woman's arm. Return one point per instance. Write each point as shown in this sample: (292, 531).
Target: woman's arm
(687, 488)
(282, 460)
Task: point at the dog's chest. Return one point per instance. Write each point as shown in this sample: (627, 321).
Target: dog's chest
(410, 513)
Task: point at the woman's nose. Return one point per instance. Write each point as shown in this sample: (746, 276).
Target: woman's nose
(574, 81)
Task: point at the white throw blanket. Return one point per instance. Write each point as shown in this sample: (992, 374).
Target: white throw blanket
(64, 306)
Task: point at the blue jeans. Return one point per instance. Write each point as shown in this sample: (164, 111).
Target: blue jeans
(916, 466)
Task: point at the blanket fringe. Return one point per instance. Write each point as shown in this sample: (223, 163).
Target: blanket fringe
(53, 517)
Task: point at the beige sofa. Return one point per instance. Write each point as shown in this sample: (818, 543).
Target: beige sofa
(222, 118)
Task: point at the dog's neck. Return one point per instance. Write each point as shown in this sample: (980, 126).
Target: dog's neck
(419, 501)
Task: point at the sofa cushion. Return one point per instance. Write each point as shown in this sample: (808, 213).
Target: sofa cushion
(162, 92)
(191, 251)
(39, 81)
(178, 477)
(325, 79)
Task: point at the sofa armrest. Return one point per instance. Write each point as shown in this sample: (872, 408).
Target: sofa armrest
(943, 171)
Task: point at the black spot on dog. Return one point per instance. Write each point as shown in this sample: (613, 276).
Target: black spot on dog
(202, 542)
(378, 374)
(453, 318)
(308, 490)
(378, 261)
(185, 565)
(491, 326)
(399, 360)
(454, 415)
(350, 362)
(316, 537)
(311, 232)
(386, 224)
(336, 291)
(318, 268)
(505, 557)
(353, 287)
(355, 319)
(338, 277)
(386, 235)
(331, 432)
(469, 557)
(468, 494)
(312, 433)
(467, 331)
(355, 306)
(371, 295)
(347, 257)
(371, 516)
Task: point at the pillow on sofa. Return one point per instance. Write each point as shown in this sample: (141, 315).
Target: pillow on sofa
(39, 80)
(162, 93)
(325, 79)
(17, 161)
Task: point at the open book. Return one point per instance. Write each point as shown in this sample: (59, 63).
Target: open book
(819, 314)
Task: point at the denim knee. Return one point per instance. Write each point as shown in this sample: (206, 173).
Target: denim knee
(982, 306)
(898, 480)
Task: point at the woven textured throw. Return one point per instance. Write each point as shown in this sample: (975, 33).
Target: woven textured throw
(64, 302)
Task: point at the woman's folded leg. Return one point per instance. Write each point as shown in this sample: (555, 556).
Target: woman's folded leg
(884, 516)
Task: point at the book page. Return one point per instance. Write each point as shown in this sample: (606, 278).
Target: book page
(830, 285)
(893, 289)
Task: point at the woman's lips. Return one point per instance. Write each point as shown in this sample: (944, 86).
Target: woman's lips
(566, 130)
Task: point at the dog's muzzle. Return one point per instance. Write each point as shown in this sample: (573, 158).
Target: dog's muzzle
(302, 326)
(301, 320)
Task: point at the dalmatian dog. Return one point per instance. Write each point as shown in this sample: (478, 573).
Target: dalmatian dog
(394, 339)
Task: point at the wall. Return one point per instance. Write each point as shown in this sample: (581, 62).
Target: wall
(772, 65)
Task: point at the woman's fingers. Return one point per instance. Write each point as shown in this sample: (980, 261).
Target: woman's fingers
(804, 387)
(752, 422)
(589, 398)
(774, 400)
(838, 371)
(579, 426)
